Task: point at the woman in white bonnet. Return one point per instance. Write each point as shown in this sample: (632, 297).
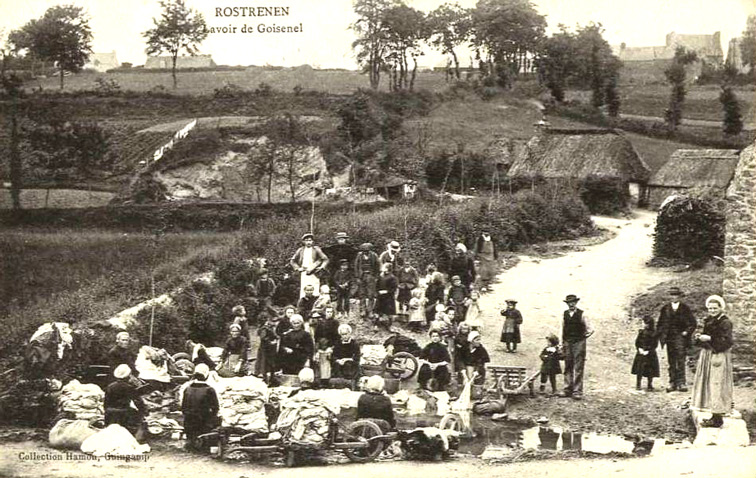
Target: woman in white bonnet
(376, 405)
(712, 386)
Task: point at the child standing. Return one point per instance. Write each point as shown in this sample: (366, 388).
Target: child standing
(323, 360)
(343, 281)
(407, 279)
(646, 363)
(474, 317)
(458, 298)
(550, 366)
(416, 310)
(510, 333)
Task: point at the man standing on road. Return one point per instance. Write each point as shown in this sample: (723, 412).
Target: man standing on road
(676, 326)
(575, 331)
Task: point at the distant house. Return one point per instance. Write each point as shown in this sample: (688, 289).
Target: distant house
(392, 187)
(688, 168)
(182, 62)
(580, 157)
(102, 62)
(707, 47)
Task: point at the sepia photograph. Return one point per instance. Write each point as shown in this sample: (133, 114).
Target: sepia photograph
(380, 238)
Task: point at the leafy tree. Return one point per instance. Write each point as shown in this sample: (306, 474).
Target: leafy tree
(557, 62)
(406, 28)
(62, 36)
(179, 28)
(449, 26)
(675, 74)
(733, 121)
(510, 32)
(372, 40)
(748, 44)
(582, 59)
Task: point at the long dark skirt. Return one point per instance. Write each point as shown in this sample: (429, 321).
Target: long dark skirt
(385, 305)
(646, 365)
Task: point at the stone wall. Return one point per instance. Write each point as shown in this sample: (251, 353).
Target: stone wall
(740, 251)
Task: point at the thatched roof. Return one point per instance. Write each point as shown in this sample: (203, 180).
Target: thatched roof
(697, 167)
(579, 153)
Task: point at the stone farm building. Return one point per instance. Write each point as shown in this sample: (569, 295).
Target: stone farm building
(102, 62)
(182, 62)
(601, 162)
(689, 168)
(647, 63)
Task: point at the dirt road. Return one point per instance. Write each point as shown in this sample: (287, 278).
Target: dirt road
(605, 277)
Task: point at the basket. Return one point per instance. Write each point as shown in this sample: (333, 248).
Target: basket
(391, 385)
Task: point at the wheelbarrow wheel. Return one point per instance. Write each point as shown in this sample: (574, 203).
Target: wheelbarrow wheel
(181, 356)
(452, 421)
(364, 429)
(402, 365)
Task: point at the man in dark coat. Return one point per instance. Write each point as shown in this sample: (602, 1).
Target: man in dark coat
(199, 406)
(462, 265)
(119, 396)
(575, 332)
(675, 327)
(366, 270)
(338, 252)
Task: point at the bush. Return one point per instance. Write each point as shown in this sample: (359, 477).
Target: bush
(604, 195)
(229, 90)
(689, 230)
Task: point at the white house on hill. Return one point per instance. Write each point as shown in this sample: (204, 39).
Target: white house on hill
(102, 62)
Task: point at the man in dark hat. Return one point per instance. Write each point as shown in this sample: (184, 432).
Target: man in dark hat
(337, 252)
(309, 260)
(366, 269)
(675, 327)
(575, 331)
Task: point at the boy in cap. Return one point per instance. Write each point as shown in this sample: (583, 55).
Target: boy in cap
(575, 332)
(366, 270)
(343, 281)
(675, 327)
(199, 406)
(308, 260)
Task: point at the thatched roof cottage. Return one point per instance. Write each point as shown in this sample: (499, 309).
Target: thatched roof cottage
(689, 168)
(602, 162)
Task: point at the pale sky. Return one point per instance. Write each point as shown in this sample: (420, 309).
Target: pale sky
(326, 41)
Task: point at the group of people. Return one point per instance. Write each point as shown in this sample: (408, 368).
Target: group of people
(387, 284)
(676, 329)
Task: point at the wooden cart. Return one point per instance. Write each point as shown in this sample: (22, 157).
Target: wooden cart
(511, 380)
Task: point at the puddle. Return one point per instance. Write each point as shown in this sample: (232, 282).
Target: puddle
(489, 438)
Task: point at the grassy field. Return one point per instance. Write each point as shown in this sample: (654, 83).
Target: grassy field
(701, 102)
(68, 275)
(205, 82)
(56, 198)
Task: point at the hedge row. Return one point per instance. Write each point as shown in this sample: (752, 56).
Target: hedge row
(216, 216)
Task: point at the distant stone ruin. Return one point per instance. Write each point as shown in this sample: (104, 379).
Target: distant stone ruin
(739, 283)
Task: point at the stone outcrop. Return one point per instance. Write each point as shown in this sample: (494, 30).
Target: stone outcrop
(739, 283)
